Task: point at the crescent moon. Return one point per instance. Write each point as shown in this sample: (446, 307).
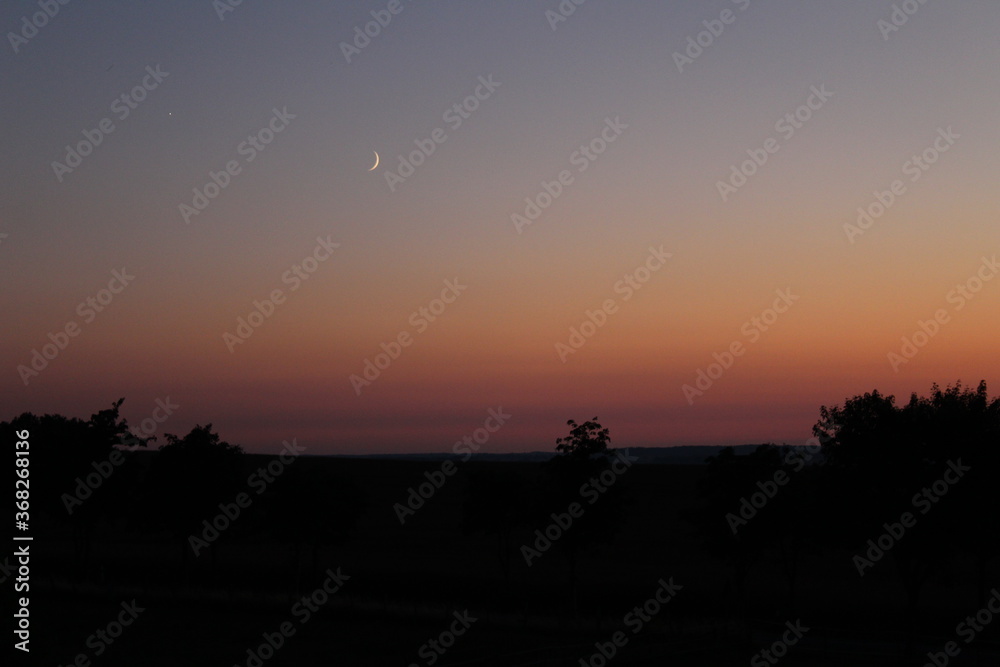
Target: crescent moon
(376, 161)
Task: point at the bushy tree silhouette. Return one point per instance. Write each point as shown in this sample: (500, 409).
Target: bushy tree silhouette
(585, 440)
(890, 456)
(961, 423)
(188, 480)
(74, 478)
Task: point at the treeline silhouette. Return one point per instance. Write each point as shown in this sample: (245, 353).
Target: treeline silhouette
(886, 491)
(91, 478)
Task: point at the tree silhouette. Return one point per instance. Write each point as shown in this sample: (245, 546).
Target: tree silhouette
(885, 454)
(584, 440)
(964, 423)
(574, 476)
(188, 480)
(74, 465)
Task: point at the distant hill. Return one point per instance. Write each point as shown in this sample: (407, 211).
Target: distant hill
(683, 455)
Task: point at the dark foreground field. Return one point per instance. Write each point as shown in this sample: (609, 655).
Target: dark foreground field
(397, 587)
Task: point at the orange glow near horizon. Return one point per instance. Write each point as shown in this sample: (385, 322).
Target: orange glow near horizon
(506, 339)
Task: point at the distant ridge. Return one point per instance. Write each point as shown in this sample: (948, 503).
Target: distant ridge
(682, 455)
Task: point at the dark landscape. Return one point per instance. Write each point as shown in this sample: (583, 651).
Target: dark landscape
(220, 548)
(441, 333)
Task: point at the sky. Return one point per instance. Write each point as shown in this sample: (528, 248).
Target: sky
(697, 221)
